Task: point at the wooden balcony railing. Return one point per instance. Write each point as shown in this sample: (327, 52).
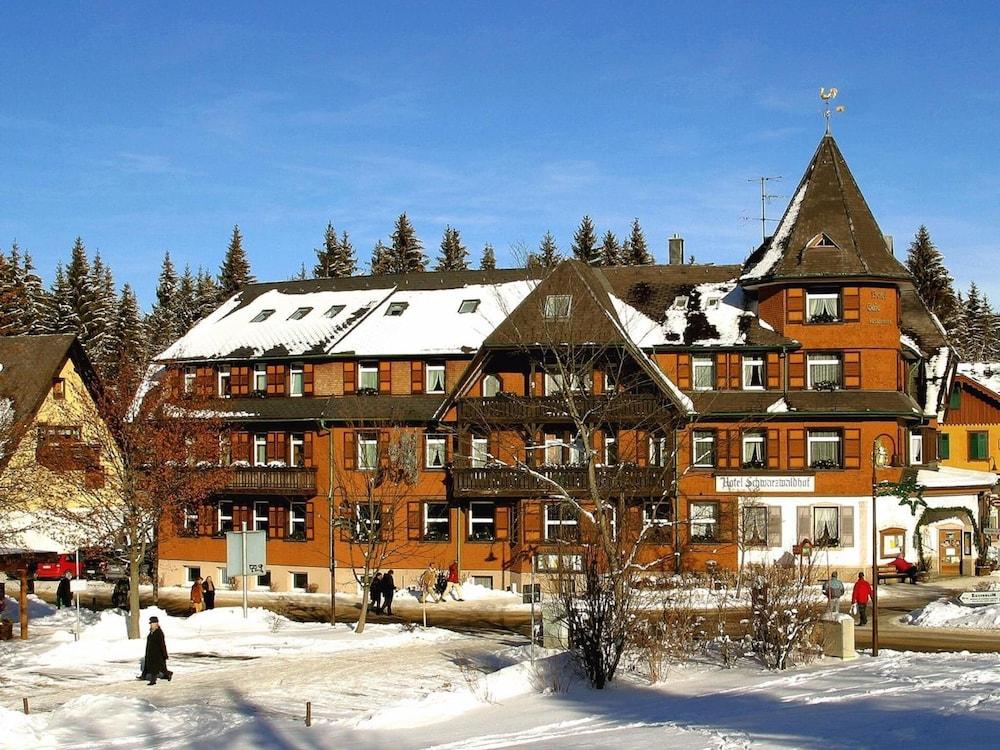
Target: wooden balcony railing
(495, 481)
(272, 480)
(503, 409)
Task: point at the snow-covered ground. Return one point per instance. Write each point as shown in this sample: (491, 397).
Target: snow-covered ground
(949, 613)
(244, 684)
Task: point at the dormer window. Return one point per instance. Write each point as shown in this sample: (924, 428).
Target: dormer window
(334, 311)
(396, 309)
(262, 316)
(58, 389)
(822, 240)
(300, 313)
(712, 303)
(823, 306)
(680, 302)
(468, 306)
(558, 306)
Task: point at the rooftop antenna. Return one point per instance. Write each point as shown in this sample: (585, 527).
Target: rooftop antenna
(764, 198)
(827, 97)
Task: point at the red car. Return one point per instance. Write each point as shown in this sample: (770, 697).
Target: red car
(51, 570)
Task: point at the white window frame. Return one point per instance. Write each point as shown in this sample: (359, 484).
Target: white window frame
(480, 452)
(296, 440)
(554, 383)
(263, 581)
(475, 518)
(746, 512)
(750, 362)
(579, 453)
(916, 443)
(190, 520)
(297, 516)
(191, 574)
(609, 455)
(752, 437)
(221, 517)
(372, 525)
(438, 522)
(259, 449)
(368, 370)
(190, 378)
(702, 438)
(261, 523)
(492, 382)
(703, 363)
(652, 511)
(823, 297)
(260, 378)
(440, 449)
(816, 437)
(824, 359)
(557, 523)
(553, 443)
(468, 306)
(658, 454)
(369, 441)
(558, 306)
(300, 313)
(815, 521)
(610, 380)
(291, 581)
(699, 520)
(296, 379)
(431, 373)
(225, 381)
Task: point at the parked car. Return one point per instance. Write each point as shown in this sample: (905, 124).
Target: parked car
(51, 570)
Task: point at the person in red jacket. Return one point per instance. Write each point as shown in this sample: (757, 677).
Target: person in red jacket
(906, 568)
(860, 596)
(454, 582)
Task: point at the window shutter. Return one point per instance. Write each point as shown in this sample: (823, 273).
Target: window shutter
(642, 447)
(272, 447)
(773, 449)
(852, 304)
(416, 377)
(727, 520)
(773, 525)
(796, 370)
(721, 376)
(206, 520)
(501, 516)
(735, 438)
(795, 304)
(272, 379)
(350, 377)
(239, 378)
(929, 436)
(281, 376)
(387, 527)
(803, 524)
(684, 372)
(772, 368)
(273, 524)
(384, 377)
(307, 448)
(796, 449)
(846, 525)
(204, 381)
(735, 372)
(531, 514)
(241, 446)
(852, 449)
(852, 369)
(310, 520)
(414, 521)
(239, 517)
(539, 385)
(350, 450)
(346, 523)
(281, 446)
(722, 449)
(308, 379)
(944, 446)
(383, 448)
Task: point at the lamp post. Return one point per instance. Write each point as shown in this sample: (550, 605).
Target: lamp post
(879, 461)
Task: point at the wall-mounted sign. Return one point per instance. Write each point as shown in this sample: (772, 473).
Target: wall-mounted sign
(750, 483)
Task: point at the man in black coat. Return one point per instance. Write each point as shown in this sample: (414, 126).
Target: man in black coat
(64, 598)
(388, 591)
(155, 663)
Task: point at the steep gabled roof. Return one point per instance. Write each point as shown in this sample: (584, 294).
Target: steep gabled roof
(827, 230)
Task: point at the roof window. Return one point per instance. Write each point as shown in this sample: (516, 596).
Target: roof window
(396, 309)
(680, 302)
(558, 306)
(300, 313)
(711, 303)
(334, 311)
(822, 240)
(468, 306)
(262, 316)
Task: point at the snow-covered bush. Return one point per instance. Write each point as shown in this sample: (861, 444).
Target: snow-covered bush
(670, 633)
(784, 613)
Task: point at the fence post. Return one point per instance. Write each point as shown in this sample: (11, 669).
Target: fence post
(309, 713)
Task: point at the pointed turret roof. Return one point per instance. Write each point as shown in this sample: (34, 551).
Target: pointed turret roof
(826, 231)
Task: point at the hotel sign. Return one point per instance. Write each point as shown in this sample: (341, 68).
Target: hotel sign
(749, 483)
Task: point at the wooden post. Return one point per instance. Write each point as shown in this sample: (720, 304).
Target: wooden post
(22, 602)
(309, 713)
(24, 703)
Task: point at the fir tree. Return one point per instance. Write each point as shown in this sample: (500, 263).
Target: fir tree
(34, 320)
(585, 247)
(932, 280)
(81, 295)
(346, 263)
(326, 256)
(59, 314)
(127, 341)
(186, 303)
(611, 251)
(206, 294)
(489, 260)
(635, 251)
(234, 273)
(407, 254)
(103, 312)
(454, 255)
(10, 317)
(164, 323)
(548, 255)
(381, 261)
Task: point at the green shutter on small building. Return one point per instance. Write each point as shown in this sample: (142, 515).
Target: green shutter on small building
(956, 397)
(978, 446)
(944, 446)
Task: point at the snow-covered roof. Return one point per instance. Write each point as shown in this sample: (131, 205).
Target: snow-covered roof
(986, 374)
(950, 477)
(776, 248)
(936, 378)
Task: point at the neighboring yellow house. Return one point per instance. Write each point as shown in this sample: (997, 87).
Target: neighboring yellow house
(54, 450)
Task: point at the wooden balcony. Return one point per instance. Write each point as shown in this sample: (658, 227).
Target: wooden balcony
(272, 480)
(505, 409)
(505, 481)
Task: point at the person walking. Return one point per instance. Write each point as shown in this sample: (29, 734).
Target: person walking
(428, 583)
(208, 592)
(860, 596)
(833, 589)
(388, 591)
(197, 596)
(155, 663)
(64, 596)
(375, 592)
(454, 586)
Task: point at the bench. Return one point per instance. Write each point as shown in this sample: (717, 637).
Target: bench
(888, 573)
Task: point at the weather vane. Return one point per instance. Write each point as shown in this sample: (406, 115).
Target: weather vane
(827, 97)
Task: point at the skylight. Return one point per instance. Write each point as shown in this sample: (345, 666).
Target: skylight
(300, 313)
(468, 306)
(396, 309)
(262, 316)
(680, 302)
(558, 306)
(711, 303)
(334, 311)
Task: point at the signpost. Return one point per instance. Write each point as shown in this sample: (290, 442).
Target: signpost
(246, 551)
(979, 598)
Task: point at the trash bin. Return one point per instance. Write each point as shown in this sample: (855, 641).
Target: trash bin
(838, 636)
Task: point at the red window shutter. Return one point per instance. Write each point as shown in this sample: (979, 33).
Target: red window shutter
(272, 380)
(307, 448)
(244, 380)
(388, 527)
(350, 450)
(241, 446)
(204, 380)
(773, 366)
(502, 517)
(795, 305)
(239, 516)
(383, 448)
(852, 369)
(773, 448)
(852, 304)
(310, 520)
(281, 446)
(308, 379)
(347, 523)
(735, 372)
(272, 447)
(721, 372)
(414, 521)
(641, 438)
(416, 377)
(350, 377)
(273, 524)
(531, 514)
(206, 520)
(384, 377)
(796, 449)
(684, 372)
(796, 370)
(281, 380)
(735, 438)
(539, 384)
(852, 449)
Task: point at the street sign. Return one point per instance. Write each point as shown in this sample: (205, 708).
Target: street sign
(256, 548)
(979, 598)
(77, 585)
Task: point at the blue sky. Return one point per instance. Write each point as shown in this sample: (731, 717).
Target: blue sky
(145, 129)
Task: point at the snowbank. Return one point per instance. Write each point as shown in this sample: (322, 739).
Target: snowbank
(948, 613)
(36, 608)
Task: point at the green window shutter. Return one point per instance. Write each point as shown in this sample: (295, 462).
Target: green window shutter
(956, 397)
(944, 446)
(978, 446)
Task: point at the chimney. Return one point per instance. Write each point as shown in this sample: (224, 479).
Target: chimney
(888, 243)
(676, 250)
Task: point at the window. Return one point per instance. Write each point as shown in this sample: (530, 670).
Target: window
(367, 451)
(480, 452)
(703, 444)
(753, 372)
(553, 450)
(658, 454)
(561, 523)
(300, 581)
(575, 383)
(260, 378)
(225, 382)
(368, 376)
(300, 313)
(296, 381)
(754, 449)
(192, 573)
(58, 389)
(712, 303)
(436, 522)
(703, 370)
(823, 306)
(482, 521)
(468, 306)
(979, 447)
(826, 527)
(491, 386)
(434, 378)
(916, 448)
(680, 302)
(396, 309)
(334, 311)
(222, 579)
(824, 449)
(755, 525)
(260, 450)
(610, 457)
(367, 522)
(296, 449)
(485, 582)
(893, 542)
(297, 519)
(190, 521)
(264, 581)
(262, 316)
(224, 515)
(704, 522)
(944, 446)
(434, 451)
(260, 517)
(190, 374)
(578, 453)
(557, 306)
(657, 516)
(824, 371)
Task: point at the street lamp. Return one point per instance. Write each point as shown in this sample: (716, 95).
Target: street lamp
(880, 459)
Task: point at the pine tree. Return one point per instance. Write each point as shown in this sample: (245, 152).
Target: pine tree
(326, 256)
(127, 339)
(585, 246)
(611, 251)
(206, 294)
(548, 255)
(81, 294)
(407, 251)
(931, 278)
(346, 263)
(454, 255)
(381, 261)
(186, 302)
(164, 323)
(489, 260)
(34, 319)
(10, 317)
(300, 275)
(234, 273)
(103, 312)
(635, 250)
(59, 314)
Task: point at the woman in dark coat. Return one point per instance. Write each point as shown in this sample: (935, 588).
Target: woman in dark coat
(155, 663)
(208, 592)
(63, 596)
(375, 592)
(388, 591)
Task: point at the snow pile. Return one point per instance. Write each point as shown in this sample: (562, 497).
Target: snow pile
(472, 592)
(986, 374)
(948, 613)
(36, 608)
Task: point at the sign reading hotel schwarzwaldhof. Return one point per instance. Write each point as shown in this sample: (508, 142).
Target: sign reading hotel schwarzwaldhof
(747, 483)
